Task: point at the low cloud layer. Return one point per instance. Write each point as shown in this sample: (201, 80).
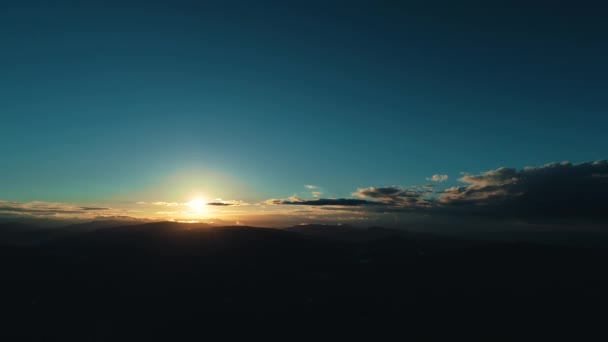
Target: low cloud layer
(556, 192)
(49, 209)
(348, 202)
(549, 192)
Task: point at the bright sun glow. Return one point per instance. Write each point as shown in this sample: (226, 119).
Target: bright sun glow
(198, 205)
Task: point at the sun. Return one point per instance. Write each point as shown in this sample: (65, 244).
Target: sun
(198, 205)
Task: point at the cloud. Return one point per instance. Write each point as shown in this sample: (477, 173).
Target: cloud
(554, 190)
(395, 195)
(50, 209)
(232, 203)
(438, 178)
(164, 204)
(95, 208)
(375, 199)
(311, 187)
(294, 200)
(550, 192)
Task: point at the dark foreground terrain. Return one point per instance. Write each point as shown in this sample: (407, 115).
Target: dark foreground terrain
(168, 281)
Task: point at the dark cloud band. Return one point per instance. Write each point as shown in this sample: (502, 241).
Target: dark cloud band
(349, 202)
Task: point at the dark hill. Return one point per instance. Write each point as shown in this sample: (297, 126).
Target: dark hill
(344, 233)
(123, 283)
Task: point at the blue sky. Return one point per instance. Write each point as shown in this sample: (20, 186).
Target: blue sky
(164, 100)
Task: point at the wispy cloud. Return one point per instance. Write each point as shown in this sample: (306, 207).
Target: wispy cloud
(164, 204)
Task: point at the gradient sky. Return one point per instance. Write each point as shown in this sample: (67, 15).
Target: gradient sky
(119, 102)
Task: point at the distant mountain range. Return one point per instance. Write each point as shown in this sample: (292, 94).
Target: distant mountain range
(31, 233)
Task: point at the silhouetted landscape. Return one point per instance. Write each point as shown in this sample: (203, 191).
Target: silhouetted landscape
(386, 170)
(155, 280)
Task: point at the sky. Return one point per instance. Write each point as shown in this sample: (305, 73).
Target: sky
(243, 110)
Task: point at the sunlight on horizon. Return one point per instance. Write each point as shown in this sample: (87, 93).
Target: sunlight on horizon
(198, 205)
